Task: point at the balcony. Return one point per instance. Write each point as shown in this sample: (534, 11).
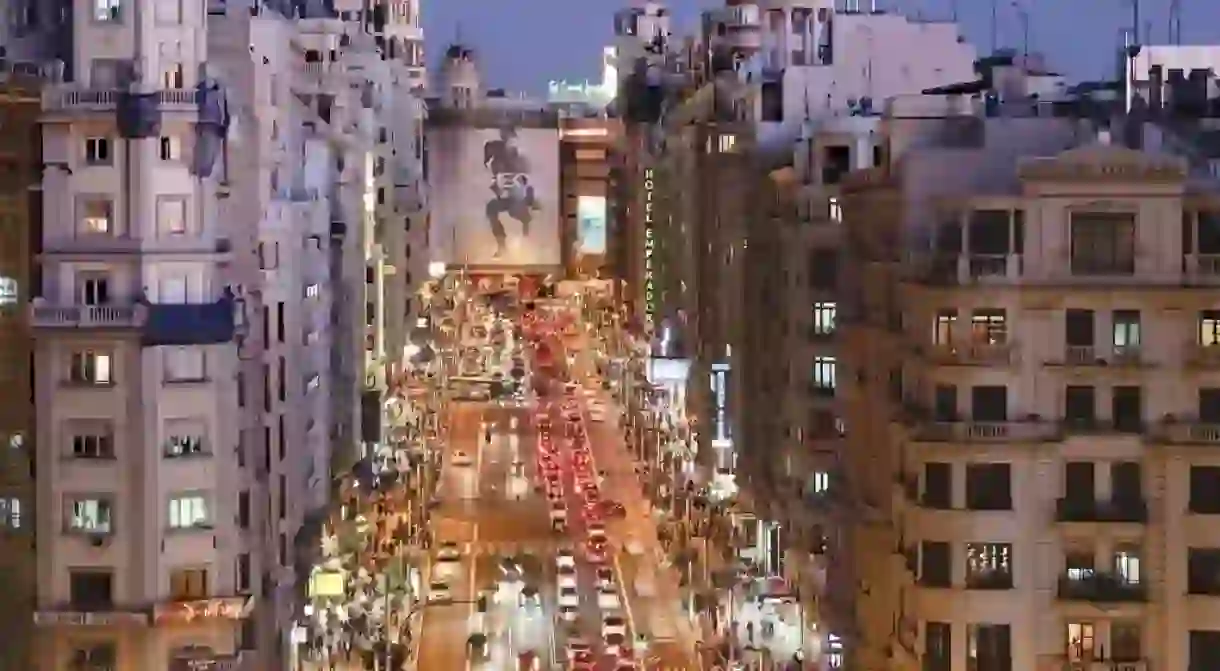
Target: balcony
(973, 354)
(89, 615)
(1101, 588)
(1029, 431)
(1204, 357)
(1187, 432)
(1203, 269)
(1091, 355)
(43, 315)
(320, 77)
(73, 99)
(967, 269)
(1128, 510)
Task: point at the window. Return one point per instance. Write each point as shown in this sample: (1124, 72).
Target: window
(1203, 571)
(243, 573)
(185, 364)
(988, 487)
(1127, 565)
(173, 76)
(171, 216)
(97, 151)
(107, 11)
(824, 318)
(1126, 641)
(988, 647)
(10, 513)
(92, 442)
(1209, 328)
(989, 404)
(937, 486)
(1204, 490)
(1204, 650)
(16, 441)
(93, 656)
(1127, 409)
(10, 292)
(943, 327)
(989, 327)
(189, 512)
(243, 510)
(944, 403)
(169, 12)
(834, 209)
(89, 367)
(1103, 243)
(93, 289)
(91, 589)
(935, 564)
(188, 584)
(171, 148)
(937, 646)
(312, 290)
(1080, 407)
(1126, 340)
(821, 482)
(824, 381)
(1081, 642)
(89, 515)
(1078, 329)
(96, 216)
(823, 268)
(989, 565)
(726, 143)
(172, 289)
(184, 437)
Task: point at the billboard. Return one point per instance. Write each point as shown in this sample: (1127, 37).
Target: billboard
(496, 195)
(591, 213)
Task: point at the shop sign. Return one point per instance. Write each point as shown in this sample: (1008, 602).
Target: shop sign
(213, 663)
(650, 297)
(81, 619)
(184, 612)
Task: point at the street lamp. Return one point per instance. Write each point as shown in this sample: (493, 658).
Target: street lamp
(436, 270)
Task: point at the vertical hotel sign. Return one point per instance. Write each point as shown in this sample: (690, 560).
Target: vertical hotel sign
(650, 243)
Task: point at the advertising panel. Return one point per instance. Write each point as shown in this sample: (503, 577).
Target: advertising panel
(591, 211)
(497, 194)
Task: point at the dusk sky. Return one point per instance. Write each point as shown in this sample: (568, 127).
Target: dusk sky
(525, 43)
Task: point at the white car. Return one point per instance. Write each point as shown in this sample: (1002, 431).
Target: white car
(567, 577)
(596, 533)
(460, 458)
(576, 646)
(605, 577)
(596, 416)
(613, 624)
(439, 592)
(568, 597)
(565, 558)
(607, 599)
(559, 511)
(448, 551)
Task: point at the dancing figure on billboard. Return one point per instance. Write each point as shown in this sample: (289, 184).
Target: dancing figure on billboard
(512, 193)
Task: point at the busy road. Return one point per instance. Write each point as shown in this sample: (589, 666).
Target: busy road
(543, 550)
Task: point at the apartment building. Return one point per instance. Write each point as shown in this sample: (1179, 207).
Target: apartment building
(20, 107)
(206, 206)
(1027, 385)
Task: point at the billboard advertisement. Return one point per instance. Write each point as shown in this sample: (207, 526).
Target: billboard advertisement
(591, 212)
(497, 195)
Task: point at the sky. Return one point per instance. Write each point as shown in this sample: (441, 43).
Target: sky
(523, 44)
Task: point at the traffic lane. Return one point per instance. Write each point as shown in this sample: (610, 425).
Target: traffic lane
(655, 616)
(443, 645)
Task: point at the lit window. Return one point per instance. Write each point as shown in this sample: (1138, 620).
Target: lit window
(1209, 327)
(726, 143)
(90, 367)
(188, 512)
(184, 438)
(96, 444)
(835, 210)
(90, 516)
(312, 291)
(989, 326)
(824, 381)
(96, 216)
(824, 318)
(171, 216)
(10, 513)
(9, 293)
(107, 11)
(312, 382)
(821, 482)
(188, 584)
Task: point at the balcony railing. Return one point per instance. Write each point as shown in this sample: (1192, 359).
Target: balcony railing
(1128, 509)
(967, 269)
(1203, 268)
(990, 581)
(984, 431)
(1202, 356)
(72, 98)
(1092, 355)
(1101, 588)
(88, 316)
(1187, 432)
(973, 354)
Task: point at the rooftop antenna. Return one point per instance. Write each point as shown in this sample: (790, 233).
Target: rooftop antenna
(1175, 21)
(995, 26)
(1023, 15)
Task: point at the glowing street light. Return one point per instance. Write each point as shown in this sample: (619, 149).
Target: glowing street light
(436, 270)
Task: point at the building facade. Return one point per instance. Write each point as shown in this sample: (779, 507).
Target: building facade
(20, 106)
(1027, 397)
(209, 214)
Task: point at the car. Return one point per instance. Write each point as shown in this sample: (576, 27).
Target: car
(605, 577)
(597, 416)
(439, 592)
(626, 665)
(448, 551)
(566, 576)
(529, 661)
(569, 597)
(477, 645)
(578, 646)
(530, 598)
(460, 458)
(608, 599)
(565, 558)
(614, 624)
(569, 613)
(592, 498)
(615, 644)
(614, 509)
(596, 533)
(558, 511)
(595, 553)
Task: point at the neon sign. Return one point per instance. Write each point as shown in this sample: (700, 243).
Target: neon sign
(650, 294)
